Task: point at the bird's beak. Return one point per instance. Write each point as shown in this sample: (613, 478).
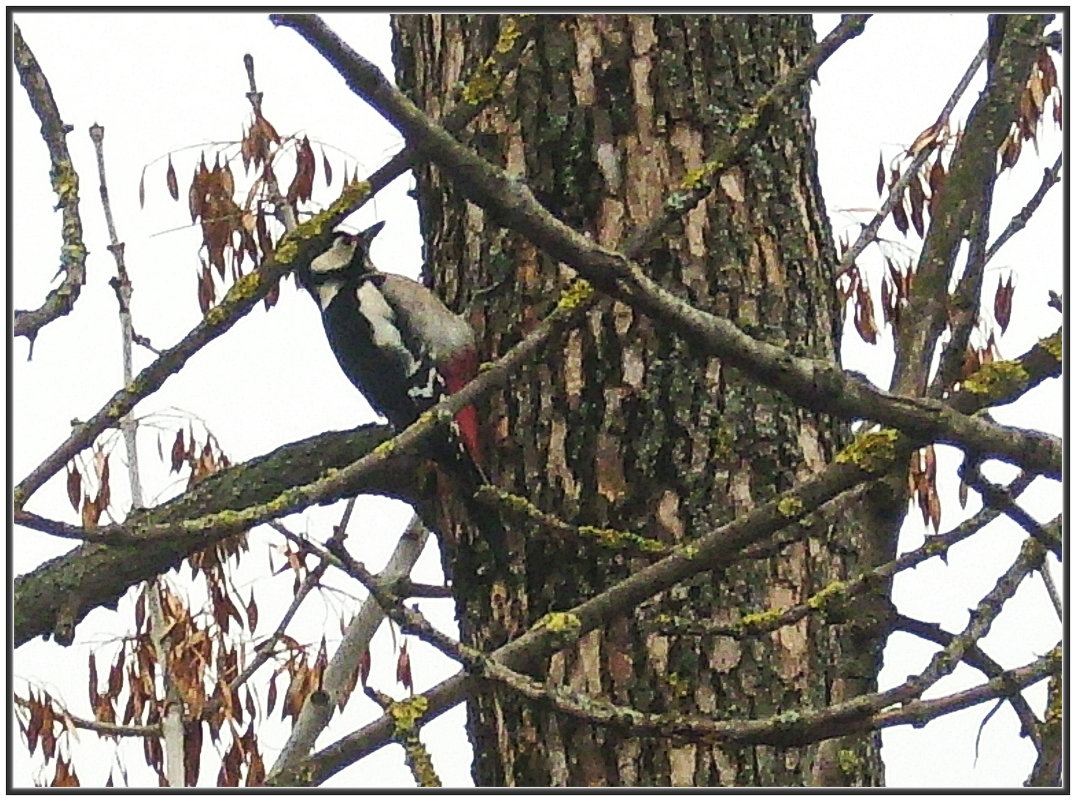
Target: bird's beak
(368, 235)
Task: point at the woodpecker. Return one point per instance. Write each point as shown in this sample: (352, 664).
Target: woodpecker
(401, 347)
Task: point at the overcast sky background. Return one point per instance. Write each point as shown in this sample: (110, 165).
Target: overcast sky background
(162, 83)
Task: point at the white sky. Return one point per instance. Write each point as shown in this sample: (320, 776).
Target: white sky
(163, 83)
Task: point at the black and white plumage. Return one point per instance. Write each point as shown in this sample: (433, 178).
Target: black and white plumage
(394, 339)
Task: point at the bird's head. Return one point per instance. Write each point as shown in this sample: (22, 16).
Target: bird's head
(347, 257)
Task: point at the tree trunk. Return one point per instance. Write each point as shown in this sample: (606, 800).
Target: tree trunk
(620, 426)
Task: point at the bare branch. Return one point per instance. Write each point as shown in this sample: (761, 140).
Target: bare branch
(1050, 177)
(977, 659)
(62, 299)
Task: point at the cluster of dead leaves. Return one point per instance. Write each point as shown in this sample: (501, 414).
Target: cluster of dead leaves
(923, 485)
(89, 508)
(39, 717)
(236, 228)
(919, 197)
(1041, 86)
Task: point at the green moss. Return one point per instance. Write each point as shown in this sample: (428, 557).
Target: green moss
(996, 379)
(873, 451)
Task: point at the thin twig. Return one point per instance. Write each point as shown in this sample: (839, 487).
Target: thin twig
(172, 729)
(100, 727)
(977, 659)
(869, 233)
(1050, 177)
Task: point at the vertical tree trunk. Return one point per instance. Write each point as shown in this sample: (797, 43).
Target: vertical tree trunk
(621, 426)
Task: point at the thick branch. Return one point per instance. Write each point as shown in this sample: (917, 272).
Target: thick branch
(54, 597)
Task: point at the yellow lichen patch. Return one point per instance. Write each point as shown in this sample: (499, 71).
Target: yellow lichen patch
(790, 506)
(623, 540)
(872, 451)
(563, 628)
(575, 295)
(996, 379)
(385, 448)
(509, 33)
(699, 177)
(760, 621)
(833, 591)
(1053, 345)
(482, 85)
(406, 714)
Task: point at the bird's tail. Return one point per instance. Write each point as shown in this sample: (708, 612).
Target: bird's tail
(460, 480)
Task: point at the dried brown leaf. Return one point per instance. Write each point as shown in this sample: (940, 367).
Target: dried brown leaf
(171, 180)
(48, 736)
(192, 752)
(206, 291)
(917, 198)
(74, 485)
(403, 669)
(900, 217)
(327, 168)
(179, 452)
(934, 508)
(927, 138)
(364, 667)
(1003, 302)
(302, 184)
(104, 490)
(142, 190)
(864, 314)
(90, 513)
(879, 178)
(252, 613)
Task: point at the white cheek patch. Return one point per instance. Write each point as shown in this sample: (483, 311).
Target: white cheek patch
(335, 258)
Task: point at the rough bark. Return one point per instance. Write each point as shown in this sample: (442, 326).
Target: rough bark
(621, 426)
